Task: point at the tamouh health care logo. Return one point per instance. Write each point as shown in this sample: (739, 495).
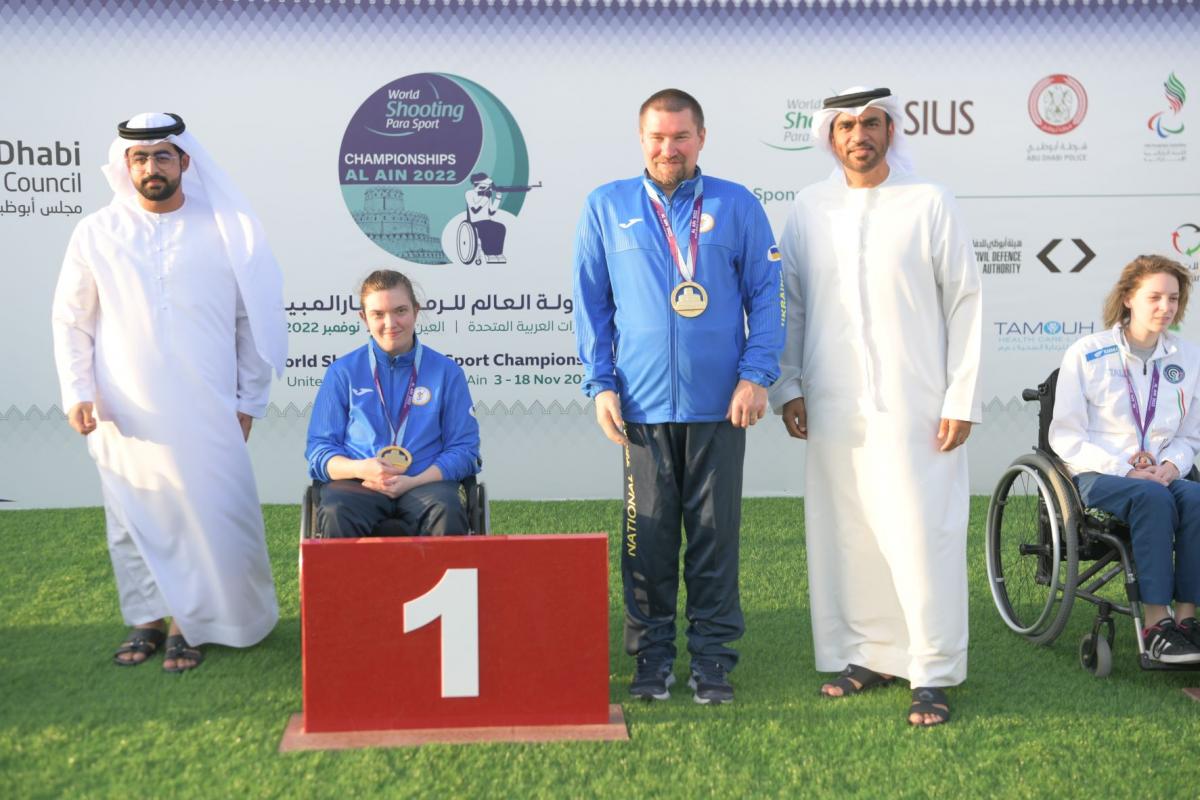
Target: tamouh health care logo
(434, 170)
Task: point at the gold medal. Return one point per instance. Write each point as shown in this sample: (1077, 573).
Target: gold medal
(689, 299)
(1142, 460)
(396, 456)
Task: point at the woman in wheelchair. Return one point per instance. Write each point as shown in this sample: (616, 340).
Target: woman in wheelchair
(1125, 426)
(392, 431)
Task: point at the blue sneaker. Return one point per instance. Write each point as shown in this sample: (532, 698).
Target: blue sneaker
(652, 680)
(709, 684)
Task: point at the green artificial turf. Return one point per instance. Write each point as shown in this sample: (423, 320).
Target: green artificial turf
(1029, 722)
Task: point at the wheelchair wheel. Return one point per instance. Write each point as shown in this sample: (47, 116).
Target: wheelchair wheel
(468, 242)
(1032, 555)
(1095, 655)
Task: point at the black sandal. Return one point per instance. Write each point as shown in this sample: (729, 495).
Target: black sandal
(178, 648)
(144, 641)
(925, 700)
(866, 679)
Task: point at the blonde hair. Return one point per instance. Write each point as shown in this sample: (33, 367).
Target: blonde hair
(1115, 312)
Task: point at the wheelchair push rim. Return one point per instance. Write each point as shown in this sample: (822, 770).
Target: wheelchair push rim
(1032, 562)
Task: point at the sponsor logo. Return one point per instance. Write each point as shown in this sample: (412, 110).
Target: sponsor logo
(942, 117)
(706, 222)
(627, 225)
(1162, 123)
(1039, 335)
(1082, 259)
(1058, 104)
(1101, 353)
(421, 395)
(999, 256)
(773, 254)
(1173, 373)
(361, 392)
(792, 131)
(1186, 239)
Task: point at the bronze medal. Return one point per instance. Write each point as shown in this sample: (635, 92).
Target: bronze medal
(1142, 460)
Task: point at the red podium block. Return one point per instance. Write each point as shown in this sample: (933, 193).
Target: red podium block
(499, 632)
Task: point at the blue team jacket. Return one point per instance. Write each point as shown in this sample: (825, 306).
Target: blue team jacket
(347, 418)
(668, 368)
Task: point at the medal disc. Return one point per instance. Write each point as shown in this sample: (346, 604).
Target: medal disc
(397, 457)
(689, 299)
(1142, 460)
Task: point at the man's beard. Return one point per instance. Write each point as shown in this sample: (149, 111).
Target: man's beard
(670, 173)
(165, 190)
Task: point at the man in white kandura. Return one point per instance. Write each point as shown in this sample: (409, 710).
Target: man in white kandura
(880, 376)
(168, 319)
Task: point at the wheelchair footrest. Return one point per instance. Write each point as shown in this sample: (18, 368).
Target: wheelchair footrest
(1147, 663)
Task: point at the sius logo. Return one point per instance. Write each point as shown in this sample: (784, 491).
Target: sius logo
(1058, 104)
(939, 116)
(1044, 328)
(1085, 256)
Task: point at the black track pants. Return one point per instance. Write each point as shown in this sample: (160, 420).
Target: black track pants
(689, 472)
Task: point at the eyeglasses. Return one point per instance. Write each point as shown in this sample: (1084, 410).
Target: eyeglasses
(162, 159)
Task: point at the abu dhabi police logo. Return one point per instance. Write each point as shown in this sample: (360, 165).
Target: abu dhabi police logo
(1162, 123)
(1058, 104)
(434, 170)
(1173, 373)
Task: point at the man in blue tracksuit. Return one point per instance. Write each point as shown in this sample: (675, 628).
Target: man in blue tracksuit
(671, 267)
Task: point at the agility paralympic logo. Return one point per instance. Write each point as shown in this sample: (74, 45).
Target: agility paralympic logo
(1176, 95)
(434, 170)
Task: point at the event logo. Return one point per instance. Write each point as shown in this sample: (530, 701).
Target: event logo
(937, 116)
(1176, 94)
(1085, 256)
(1173, 373)
(795, 134)
(434, 169)
(1058, 104)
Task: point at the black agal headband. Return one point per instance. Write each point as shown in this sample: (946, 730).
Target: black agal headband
(147, 134)
(853, 100)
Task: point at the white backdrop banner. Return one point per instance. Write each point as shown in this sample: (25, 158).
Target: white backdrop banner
(365, 132)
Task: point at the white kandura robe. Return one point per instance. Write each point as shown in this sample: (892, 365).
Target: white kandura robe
(884, 328)
(149, 324)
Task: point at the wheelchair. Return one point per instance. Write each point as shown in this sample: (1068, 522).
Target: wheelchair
(472, 492)
(468, 243)
(1039, 536)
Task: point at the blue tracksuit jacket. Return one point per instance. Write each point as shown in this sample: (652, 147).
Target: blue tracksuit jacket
(347, 418)
(667, 368)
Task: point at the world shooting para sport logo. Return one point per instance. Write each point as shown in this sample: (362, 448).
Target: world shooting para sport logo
(1161, 122)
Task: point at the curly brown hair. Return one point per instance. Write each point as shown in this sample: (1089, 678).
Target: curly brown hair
(1115, 312)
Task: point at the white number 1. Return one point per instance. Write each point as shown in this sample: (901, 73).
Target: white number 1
(455, 599)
